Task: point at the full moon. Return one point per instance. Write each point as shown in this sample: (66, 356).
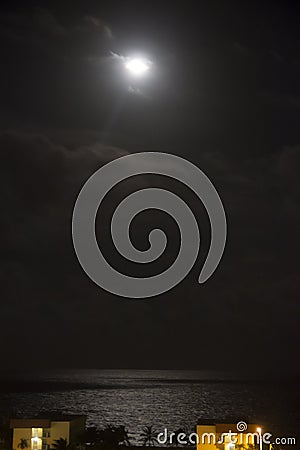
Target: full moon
(137, 66)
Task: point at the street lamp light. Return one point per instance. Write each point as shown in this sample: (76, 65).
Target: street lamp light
(260, 437)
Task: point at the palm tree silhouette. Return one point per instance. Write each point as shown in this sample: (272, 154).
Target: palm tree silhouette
(114, 435)
(60, 444)
(149, 436)
(23, 444)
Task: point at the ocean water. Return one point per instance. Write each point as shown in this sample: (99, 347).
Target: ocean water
(164, 399)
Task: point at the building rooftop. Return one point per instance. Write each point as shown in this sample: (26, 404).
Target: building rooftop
(224, 425)
(43, 420)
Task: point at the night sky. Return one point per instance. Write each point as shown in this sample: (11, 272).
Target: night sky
(224, 93)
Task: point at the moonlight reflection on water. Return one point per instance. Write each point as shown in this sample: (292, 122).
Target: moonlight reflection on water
(159, 398)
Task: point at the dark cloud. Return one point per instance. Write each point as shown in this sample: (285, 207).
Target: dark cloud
(40, 20)
(41, 277)
(287, 101)
(99, 26)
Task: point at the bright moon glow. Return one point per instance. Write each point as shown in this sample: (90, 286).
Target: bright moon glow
(137, 66)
